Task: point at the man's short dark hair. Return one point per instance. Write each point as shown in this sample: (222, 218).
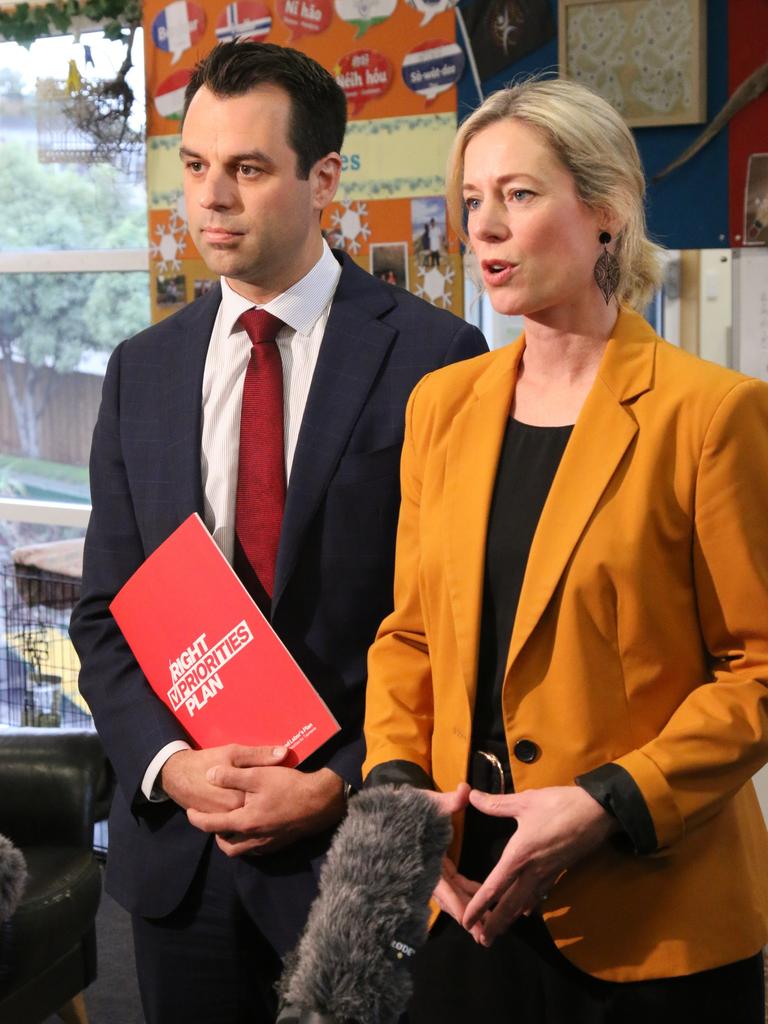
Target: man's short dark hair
(318, 104)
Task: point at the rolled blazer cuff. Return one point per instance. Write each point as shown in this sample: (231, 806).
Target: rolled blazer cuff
(398, 773)
(659, 799)
(617, 792)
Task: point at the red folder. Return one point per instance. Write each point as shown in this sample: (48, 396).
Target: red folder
(211, 656)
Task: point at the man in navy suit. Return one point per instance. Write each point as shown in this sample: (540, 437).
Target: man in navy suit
(215, 852)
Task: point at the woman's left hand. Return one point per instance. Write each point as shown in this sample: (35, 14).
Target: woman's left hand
(556, 827)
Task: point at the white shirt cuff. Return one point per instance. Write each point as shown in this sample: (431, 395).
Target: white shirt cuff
(150, 785)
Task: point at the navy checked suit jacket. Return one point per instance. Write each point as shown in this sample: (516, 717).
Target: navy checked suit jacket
(335, 561)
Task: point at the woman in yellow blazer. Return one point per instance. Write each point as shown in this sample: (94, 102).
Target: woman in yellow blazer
(580, 628)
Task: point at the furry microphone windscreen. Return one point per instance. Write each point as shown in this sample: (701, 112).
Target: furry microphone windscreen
(13, 878)
(371, 914)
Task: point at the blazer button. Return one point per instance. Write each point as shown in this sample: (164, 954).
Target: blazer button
(526, 751)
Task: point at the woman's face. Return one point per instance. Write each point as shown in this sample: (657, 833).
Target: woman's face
(535, 240)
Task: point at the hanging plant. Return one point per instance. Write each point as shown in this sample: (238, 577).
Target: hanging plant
(117, 19)
(25, 23)
(100, 110)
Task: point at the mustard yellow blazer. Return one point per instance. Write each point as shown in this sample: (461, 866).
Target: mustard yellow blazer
(641, 636)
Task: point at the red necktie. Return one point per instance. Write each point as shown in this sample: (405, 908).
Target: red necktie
(261, 466)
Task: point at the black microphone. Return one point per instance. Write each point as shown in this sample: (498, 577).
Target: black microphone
(371, 913)
(13, 878)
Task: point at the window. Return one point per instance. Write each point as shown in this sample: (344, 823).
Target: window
(73, 267)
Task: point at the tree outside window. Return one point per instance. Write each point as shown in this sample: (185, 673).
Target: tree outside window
(57, 329)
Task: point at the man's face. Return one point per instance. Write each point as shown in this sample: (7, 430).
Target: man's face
(252, 219)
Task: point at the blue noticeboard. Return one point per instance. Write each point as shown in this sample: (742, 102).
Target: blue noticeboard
(688, 209)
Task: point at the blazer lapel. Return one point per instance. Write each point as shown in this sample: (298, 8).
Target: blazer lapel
(353, 348)
(186, 345)
(472, 457)
(603, 432)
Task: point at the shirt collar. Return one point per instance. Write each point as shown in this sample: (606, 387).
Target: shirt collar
(300, 306)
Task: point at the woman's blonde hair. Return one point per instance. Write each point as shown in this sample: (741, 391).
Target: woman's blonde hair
(595, 145)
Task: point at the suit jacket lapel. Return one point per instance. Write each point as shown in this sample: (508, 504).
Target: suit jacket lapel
(472, 457)
(603, 432)
(186, 345)
(353, 348)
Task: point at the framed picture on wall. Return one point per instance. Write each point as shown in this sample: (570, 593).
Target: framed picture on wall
(389, 262)
(646, 57)
(756, 201)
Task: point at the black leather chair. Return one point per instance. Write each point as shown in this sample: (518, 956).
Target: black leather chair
(54, 783)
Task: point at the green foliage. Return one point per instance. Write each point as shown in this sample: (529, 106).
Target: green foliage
(58, 207)
(51, 319)
(69, 477)
(25, 23)
(11, 484)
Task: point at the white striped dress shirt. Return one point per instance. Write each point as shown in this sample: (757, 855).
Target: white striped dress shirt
(304, 309)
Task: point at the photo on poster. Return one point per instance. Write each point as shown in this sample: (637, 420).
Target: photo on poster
(389, 262)
(428, 225)
(171, 291)
(202, 286)
(334, 236)
(756, 201)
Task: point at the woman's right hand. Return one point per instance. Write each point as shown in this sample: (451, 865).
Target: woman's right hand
(453, 892)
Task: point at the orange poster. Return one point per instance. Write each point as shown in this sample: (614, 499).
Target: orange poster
(398, 64)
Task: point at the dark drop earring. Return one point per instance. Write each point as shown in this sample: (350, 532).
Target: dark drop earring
(606, 269)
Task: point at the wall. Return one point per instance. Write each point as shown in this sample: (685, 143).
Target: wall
(715, 308)
(701, 204)
(399, 82)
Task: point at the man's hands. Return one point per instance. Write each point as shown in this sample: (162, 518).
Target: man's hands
(247, 797)
(184, 776)
(277, 806)
(556, 827)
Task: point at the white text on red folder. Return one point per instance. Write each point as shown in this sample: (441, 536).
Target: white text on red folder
(195, 673)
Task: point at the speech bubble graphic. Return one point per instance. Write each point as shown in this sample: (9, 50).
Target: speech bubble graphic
(363, 75)
(305, 17)
(364, 13)
(169, 95)
(432, 67)
(430, 8)
(245, 19)
(177, 27)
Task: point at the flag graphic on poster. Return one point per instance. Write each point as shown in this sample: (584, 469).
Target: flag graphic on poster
(432, 67)
(245, 19)
(429, 9)
(169, 95)
(177, 27)
(305, 17)
(503, 31)
(363, 75)
(364, 14)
